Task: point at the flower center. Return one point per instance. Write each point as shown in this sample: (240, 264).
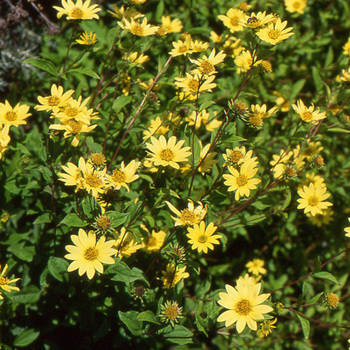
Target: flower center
(171, 312)
(151, 241)
(103, 223)
(236, 156)
(97, 159)
(91, 254)
(76, 13)
(243, 307)
(206, 67)
(313, 201)
(137, 29)
(274, 34)
(71, 112)
(10, 116)
(307, 116)
(242, 180)
(256, 120)
(332, 300)
(76, 126)
(4, 281)
(234, 21)
(202, 238)
(182, 48)
(118, 176)
(188, 217)
(53, 101)
(93, 181)
(167, 155)
(296, 5)
(193, 85)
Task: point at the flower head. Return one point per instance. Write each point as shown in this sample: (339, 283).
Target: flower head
(138, 28)
(169, 26)
(126, 244)
(190, 215)
(266, 327)
(206, 65)
(167, 152)
(256, 20)
(256, 267)
(312, 199)
(244, 306)
(87, 39)
(87, 255)
(153, 242)
(195, 84)
(308, 114)
(275, 33)
(173, 275)
(124, 175)
(78, 10)
(13, 115)
(232, 19)
(181, 48)
(5, 282)
(347, 230)
(295, 5)
(170, 312)
(202, 238)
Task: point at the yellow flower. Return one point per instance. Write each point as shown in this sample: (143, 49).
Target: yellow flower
(208, 162)
(258, 113)
(153, 242)
(347, 230)
(321, 220)
(275, 33)
(215, 37)
(199, 46)
(246, 281)
(126, 244)
(232, 47)
(87, 39)
(170, 312)
(244, 6)
(313, 149)
(267, 326)
(173, 275)
(256, 20)
(5, 282)
(181, 47)
(256, 267)
(123, 176)
(242, 181)
(138, 2)
(73, 175)
(244, 306)
(206, 65)
(195, 84)
(201, 237)
(285, 160)
(13, 116)
(4, 138)
(312, 199)
(190, 215)
(136, 58)
(203, 117)
(87, 255)
(78, 10)
(244, 61)
(55, 101)
(308, 114)
(128, 13)
(237, 156)
(232, 19)
(169, 26)
(167, 153)
(137, 28)
(156, 127)
(346, 47)
(344, 77)
(295, 5)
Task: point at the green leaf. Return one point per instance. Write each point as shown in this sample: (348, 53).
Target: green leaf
(159, 11)
(147, 316)
(129, 318)
(325, 276)
(123, 273)
(177, 335)
(26, 338)
(297, 87)
(43, 219)
(86, 71)
(27, 295)
(42, 64)
(93, 147)
(120, 103)
(73, 220)
(305, 325)
(338, 130)
(57, 267)
(317, 78)
(22, 252)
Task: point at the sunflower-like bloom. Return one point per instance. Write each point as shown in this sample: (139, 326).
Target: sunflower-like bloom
(256, 267)
(232, 19)
(123, 176)
(203, 118)
(256, 20)
(199, 46)
(189, 216)
(202, 238)
(237, 156)
(138, 28)
(258, 113)
(173, 275)
(346, 47)
(181, 48)
(206, 65)
(55, 101)
(126, 244)
(87, 255)
(72, 176)
(169, 26)
(4, 138)
(206, 159)
(13, 116)
(5, 282)
(308, 114)
(312, 199)
(347, 230)
(275, 32)
(153, 242)
(242, 181)
(137, 58)
(87, 39)
(157, 127)
(78, 10)
(244, 61)
(244, 306)
(167, 153)
(295, 5)
(195, 84)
